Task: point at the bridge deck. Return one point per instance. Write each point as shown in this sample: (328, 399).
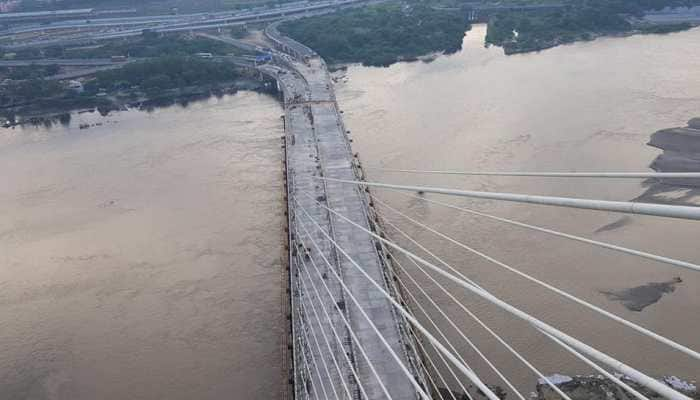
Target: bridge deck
(317, 144)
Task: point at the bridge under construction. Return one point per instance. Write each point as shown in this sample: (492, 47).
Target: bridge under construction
(357, 328)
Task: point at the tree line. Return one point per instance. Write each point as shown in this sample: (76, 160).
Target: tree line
(382, 34)
(578, 20)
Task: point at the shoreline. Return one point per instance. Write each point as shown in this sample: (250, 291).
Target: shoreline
(33, 114)
(593, 37)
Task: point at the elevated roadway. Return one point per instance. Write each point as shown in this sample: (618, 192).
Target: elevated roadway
(126, 27)
(63, 62)
(317, 145)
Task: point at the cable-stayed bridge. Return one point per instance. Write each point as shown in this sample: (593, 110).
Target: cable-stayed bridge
(362, 325)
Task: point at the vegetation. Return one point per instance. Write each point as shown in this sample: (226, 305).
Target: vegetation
(579, 20)
(149, 44)
(669, 28)
(156, 75)
(239, 31)
(20, 92)
(28, 72)
(382, 34)
(159, 80)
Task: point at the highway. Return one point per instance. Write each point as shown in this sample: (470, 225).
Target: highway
(135, 25)
(76, 62)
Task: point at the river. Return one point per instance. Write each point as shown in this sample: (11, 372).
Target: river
(582, 107)
(142, 258)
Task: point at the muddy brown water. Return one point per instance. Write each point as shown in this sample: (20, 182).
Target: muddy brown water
(141, 259)
(582, 107)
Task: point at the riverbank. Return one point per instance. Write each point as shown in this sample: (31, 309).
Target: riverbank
(147, 84)
(381, 35)
(514, 47)
(47, 113)
(384, 34)
(156, 69)
(523, 32)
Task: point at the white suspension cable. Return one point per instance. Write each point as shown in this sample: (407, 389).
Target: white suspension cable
(471, 314)
(565, 346)
(434, 367)
(336, 335)
(540, 375)
(353, 335)
(323, 359)
(328, 344)
(619, 175)
(305, 329)
(464, 369)
(614, 317)
(442, 379)
(489, 330)
(544, 378)
(462, 334)
(598, 368)
(376, 330)
(650, 256)
(658, 210)
(308, 372)
(633, 373)
(442, 335)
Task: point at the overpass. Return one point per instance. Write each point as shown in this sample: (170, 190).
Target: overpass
(66, 62)
(164, 24)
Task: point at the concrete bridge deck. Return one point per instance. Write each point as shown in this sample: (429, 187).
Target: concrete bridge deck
(317, 144)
